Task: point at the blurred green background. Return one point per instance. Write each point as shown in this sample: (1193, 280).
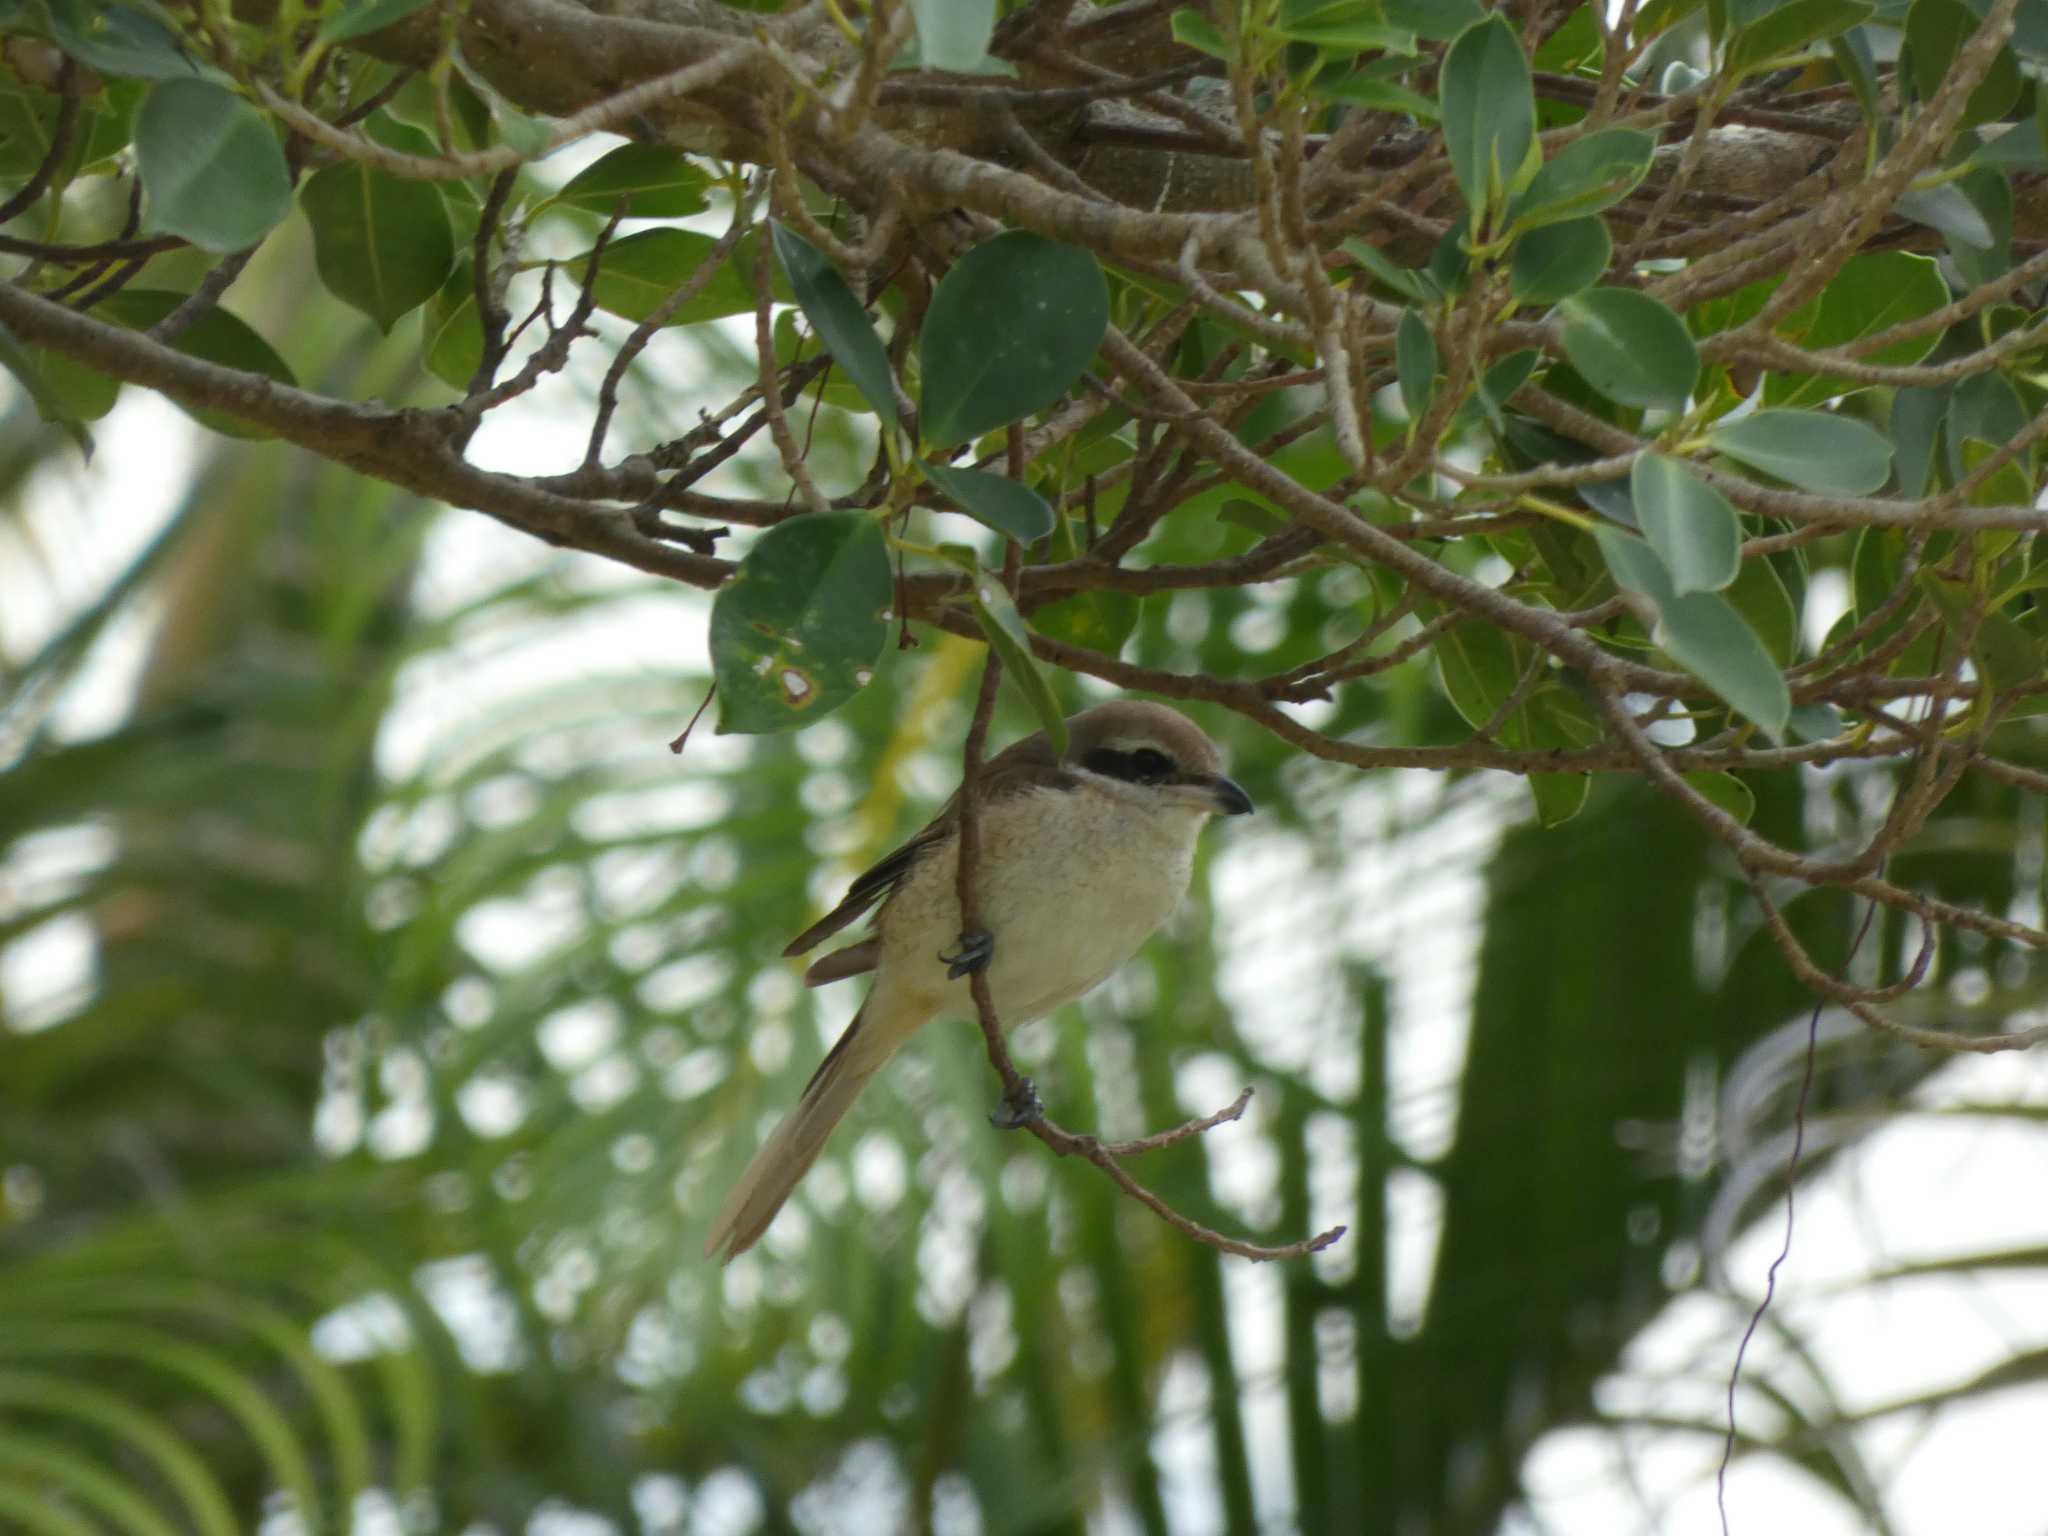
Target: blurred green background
(383, 1011)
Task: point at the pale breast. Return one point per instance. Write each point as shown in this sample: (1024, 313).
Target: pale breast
(1072, 883)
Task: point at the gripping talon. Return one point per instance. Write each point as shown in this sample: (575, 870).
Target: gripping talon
(1018, 1109)
(975, 952)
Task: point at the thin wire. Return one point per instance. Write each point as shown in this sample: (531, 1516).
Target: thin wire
(1784, 1248)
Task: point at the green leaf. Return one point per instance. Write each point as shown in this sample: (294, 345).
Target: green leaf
(1363, 88)
(1008, 506)
(1489, 111)
(1009, 329)
(652, 180)
(1096, 620)
(1759, 595)
(1501, 382)
(639, 271)
(382, 243)
(1690, 525)
(210, 165)
(119, 40)
(1935, 32)
(839, 318)
(1441, 20)
(1873, 292)
(1827, 454)
(1585, 176)
(217, 336)
(1948, 209)
(452, 336)
(1193, 30)
(1726, 791)
(1351, 37)
(1630, 347)
(364, 17)
(1555, 262)
(798, 629)
(1415, 363)
(1410, 285)
(49, 402)
(953, 34)
(1559, 796)
(1702, 633)
(1007, 632)
(1477, 666)
(2006, 654)
(1789, 29)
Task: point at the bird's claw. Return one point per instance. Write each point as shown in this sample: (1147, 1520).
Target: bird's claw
(975, 952)
(1020, 1107)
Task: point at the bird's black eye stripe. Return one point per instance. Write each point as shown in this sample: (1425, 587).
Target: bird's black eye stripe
(1146, 765)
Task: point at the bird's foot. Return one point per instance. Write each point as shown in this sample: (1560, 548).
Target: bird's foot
(975, 952)
(1019, 1108)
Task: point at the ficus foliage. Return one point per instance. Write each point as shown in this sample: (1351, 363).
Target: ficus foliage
(1630, 416)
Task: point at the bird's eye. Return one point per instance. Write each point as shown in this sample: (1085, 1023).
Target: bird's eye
(1151, 767)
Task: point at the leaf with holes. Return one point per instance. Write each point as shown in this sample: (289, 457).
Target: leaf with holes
(1009, 329)
(798, 629)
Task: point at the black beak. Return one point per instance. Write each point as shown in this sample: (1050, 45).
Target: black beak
(1231, 800)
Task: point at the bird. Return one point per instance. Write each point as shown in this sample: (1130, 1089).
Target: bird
(1081, 858)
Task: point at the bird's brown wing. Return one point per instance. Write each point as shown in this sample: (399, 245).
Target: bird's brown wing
(871, 887)
(1020, 766)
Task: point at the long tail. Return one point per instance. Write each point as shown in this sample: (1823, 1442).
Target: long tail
(788, 1154)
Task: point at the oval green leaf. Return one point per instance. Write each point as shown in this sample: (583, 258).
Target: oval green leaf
(382, 244)
(1009, 329)
(1489, 110)
(1098, 620)
(1689, 524)
(1415, 363)
(1830, 455)
(1790, 28)
(216, 336)
(119, 40)
(797, 630)
(364, 17)
(1008, 506)
(953, 34)
(638, 272)
(840, 320)
(1702, 633)
(1555, 262)
(1587, 175)
(651, 180)
(1006, 631)
(210, 165)
(1630, 347)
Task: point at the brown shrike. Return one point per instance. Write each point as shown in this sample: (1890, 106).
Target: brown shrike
(1081, 859)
